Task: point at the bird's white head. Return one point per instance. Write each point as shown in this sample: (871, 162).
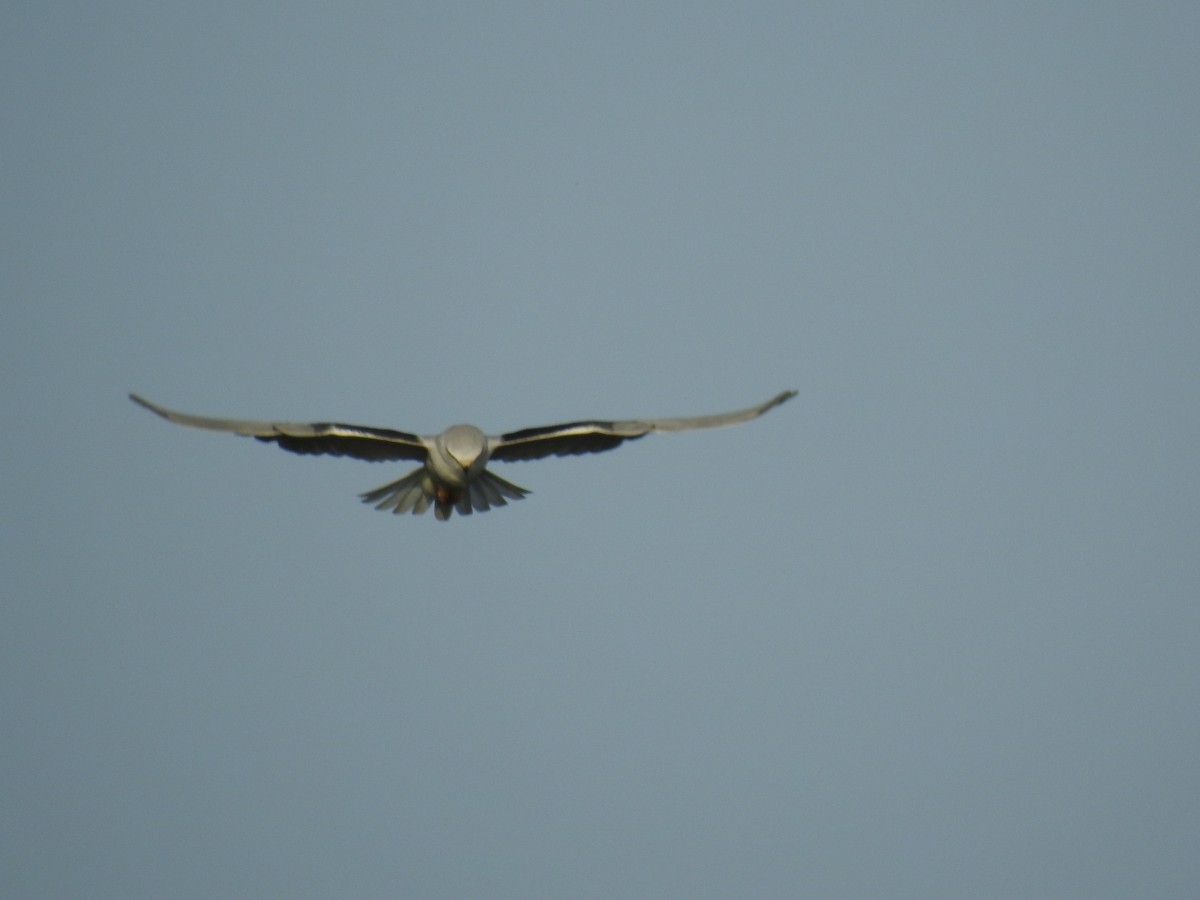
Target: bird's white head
(466, 445)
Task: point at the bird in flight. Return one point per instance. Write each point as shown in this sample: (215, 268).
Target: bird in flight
(453, 474)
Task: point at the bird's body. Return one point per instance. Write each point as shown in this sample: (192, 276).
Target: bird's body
(454, 473)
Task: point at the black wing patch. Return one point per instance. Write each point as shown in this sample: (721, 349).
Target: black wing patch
(371, 444)
(559, 440)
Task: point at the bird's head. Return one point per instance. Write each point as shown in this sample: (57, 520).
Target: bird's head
(466, 445)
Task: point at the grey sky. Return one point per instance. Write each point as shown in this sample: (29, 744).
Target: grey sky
(928, 630)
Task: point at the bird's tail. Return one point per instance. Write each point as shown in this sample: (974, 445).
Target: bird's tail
(417, 490)
(412, 493)
(487, 490)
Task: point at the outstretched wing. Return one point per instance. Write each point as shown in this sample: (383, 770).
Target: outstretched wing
(330, 438)
(594, 437)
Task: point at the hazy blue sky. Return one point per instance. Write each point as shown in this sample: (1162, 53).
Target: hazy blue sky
(929, 630)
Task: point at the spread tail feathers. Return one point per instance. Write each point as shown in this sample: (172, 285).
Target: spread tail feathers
(417, 490)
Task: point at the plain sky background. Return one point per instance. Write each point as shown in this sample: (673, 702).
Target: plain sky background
(929, 630)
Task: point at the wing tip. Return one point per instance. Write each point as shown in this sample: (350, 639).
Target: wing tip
(145, 404)
(778, 399)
